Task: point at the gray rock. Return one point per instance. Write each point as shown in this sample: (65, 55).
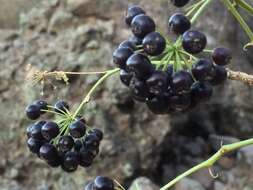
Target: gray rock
(188, 184)
(143, 183)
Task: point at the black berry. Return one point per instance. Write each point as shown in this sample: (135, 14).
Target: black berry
(180, 102)
(91, 141)
(139, 65)
(182, 81)
(157, 83)
(127, 44)
(70, 161)
(121, 55)
(50, 130)
(139, 90)
(65, 143)
(154, 43)
(42, 105)
(98, 133)
(194, 41)
(125, 77)
(36, 130)
(85, 157)
(221, 56)
(201, 91)
(202, 69)
(179, 23)
(34, 145)
(132, 12)
(142, 25)
(33, 111)
(77, 129)
(61, 107)
(49, 152)
(158, 105)
(179, 3)
(219, 75)
(103, 183)
(135, 40)
(78, 145)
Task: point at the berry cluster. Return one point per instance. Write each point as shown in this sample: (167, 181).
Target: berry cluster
(66, 143)
(100, 183)
(183, 81)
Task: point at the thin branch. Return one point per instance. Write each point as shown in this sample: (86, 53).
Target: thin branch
(211, 161)
(240, 76)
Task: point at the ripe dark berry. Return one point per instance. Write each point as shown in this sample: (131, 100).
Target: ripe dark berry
(91, 141)
(48, 152)
(180, 102)
(65, 143)
(219, 75)
(127, 44)
(179, 3)
(42, 105)
(158, 105)
(142, 25)
(61, 107)
(121, 55)
(85, 157)
(139, 90)
(179, 23)
(201, 91)
(157, 83)
(103, 183)
(125, 77)
(55, 163)
(182, 81)
(50, 130)
(194, 41)
(132, 12)
(29, 130)
(36, 130)
(154, 43)
(70, 161)
(221, 56)
(135, 40)
(202, 70)
(78, 145)
(34, 145)
(139, 65)
(98, 133)
(89, 186)
(33, 111)
(77, 129)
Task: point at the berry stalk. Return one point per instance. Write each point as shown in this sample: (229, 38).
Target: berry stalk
(211, 161)
(240, 76)
(92, 90)
(243, 4)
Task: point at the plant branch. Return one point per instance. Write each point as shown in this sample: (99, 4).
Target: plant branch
(211, 161)
(240, 76)
(92, 90)
(247, 7)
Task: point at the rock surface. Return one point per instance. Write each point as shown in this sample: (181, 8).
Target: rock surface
(80, 35)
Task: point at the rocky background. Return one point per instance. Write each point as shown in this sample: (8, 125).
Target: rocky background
(80, 35)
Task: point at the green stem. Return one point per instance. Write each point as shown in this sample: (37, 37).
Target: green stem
(190, 10)
(238, 17)
(200, 10)
(92, 90)
(209, 163)
(247, 7)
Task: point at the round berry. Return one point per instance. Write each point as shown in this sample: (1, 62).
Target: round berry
(158, 105)
(127, 44)
(221, 56)
(85, 157)
(78, 145)
(125, 77)
(70, 161)
(33, 111)
(36, 130)
(77, 129)
(132, 12)
(139, 90)
(182, 81)
(180, 102)
(55, 163)
(194, 41)
(201, 91)
(29, 130)
(48, 152)
(34, 145)
(42, 105)
(89, 186)
(154, 43)
(65, 143)
(142, 25)
(121, 55)
(139, 65)
(202, 69)
(178, 23)
(103, 183)
(50, 130)
(61, 107)
(219, 75)
(157, 83)
(179, 3)
(98, 133)
(91, 141)
(135, 40)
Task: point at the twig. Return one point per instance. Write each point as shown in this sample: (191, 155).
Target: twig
(240, 76)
